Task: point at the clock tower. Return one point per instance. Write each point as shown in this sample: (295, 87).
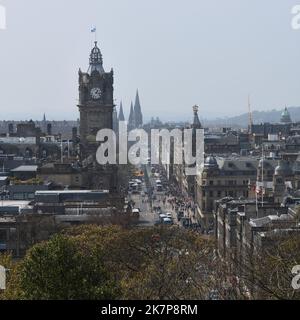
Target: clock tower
(95, 102)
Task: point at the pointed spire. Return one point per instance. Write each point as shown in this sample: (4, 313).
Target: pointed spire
(44, 118)
(121, 113)
(138, 111)
(131, 119)
(196, 122)
(96, 61)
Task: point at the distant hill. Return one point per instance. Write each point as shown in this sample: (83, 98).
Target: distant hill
(242, 120)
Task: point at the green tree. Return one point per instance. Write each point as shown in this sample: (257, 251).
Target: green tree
(60, 269)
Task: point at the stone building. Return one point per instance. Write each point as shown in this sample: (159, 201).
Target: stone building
(96, 105)
(234, 217)
(222, 177)
(63, 175)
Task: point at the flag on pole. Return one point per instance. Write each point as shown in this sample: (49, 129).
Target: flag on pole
(93, 30)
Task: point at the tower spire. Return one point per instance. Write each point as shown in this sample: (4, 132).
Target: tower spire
(131, 119)
(121, 113)
(138, 111)
(96, 61)
(196, 122)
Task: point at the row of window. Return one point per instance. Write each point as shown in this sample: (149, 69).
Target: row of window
(220, 194)
(226, 182)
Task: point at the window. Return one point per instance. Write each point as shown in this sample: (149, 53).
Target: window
(203, 193)
(211, 194)
(18, 196)
(219, 194)
(211, 182)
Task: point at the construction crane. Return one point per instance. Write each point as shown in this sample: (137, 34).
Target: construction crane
(250, 114)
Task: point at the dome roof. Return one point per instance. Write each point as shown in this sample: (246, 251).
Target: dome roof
(285, 116)
(283, 169)
(210, 162)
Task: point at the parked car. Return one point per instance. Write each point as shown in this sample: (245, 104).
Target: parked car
(167, 221)
(162, 216)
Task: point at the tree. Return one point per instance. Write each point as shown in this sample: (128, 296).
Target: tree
(113, 262)
(158, 262)
(61, 269)
(266, 273)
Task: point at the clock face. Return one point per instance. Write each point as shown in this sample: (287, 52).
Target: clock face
(96, 93)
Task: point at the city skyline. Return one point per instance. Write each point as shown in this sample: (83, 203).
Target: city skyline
(156, 57)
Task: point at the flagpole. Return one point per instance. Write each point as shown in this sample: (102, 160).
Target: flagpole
(256, 203)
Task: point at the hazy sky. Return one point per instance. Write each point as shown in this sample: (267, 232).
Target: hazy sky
(178, 53)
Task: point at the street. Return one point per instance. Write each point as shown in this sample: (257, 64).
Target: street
(150, 200)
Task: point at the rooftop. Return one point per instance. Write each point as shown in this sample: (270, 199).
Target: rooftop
(14, 203)
(25, 169)
(56, 192)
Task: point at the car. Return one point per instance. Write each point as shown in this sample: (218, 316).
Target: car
(159, 188)
(136, 212)
(214, 295)
(169, 215)
(163, 215)
(167, 221)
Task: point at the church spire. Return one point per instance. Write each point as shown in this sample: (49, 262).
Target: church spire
(131, 119)
(96, 61)
(121, 113)
(138, 111)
